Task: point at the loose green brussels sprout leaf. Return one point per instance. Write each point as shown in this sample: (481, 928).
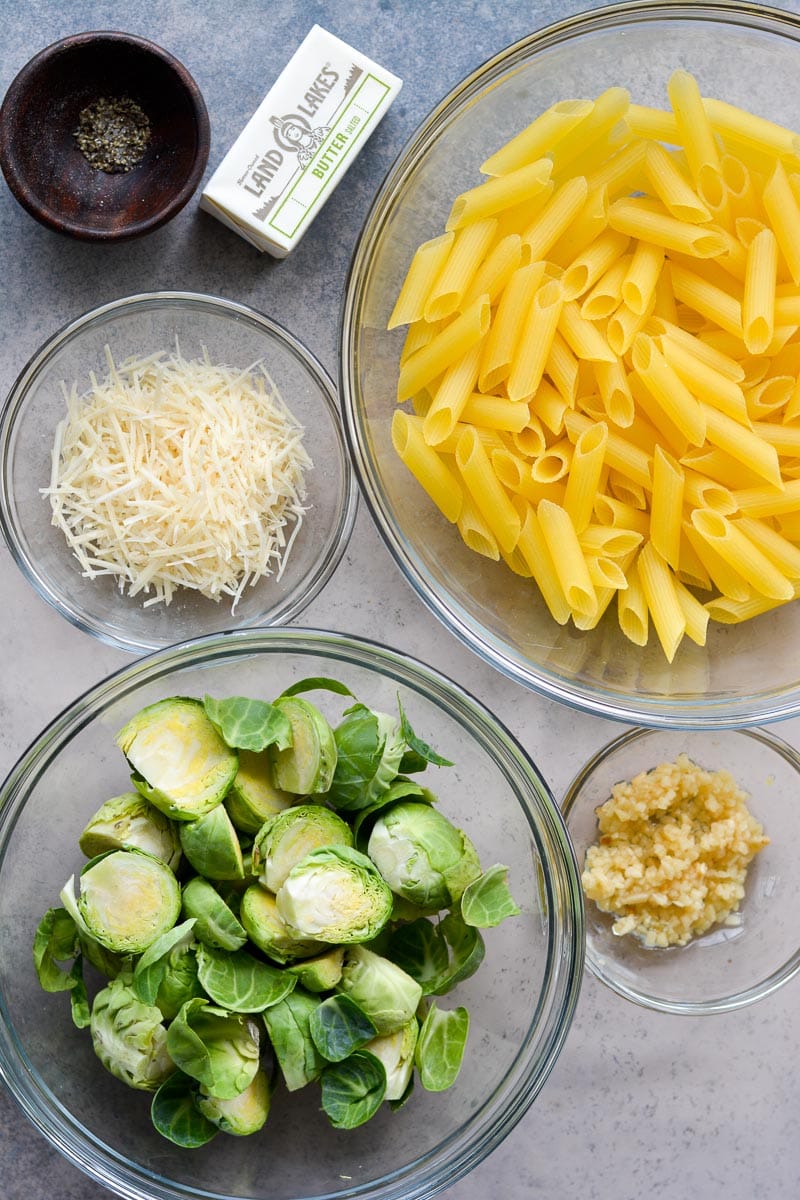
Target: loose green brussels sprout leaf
(421, 950)
(440, 1048)
(306, 767)
(339, 1026)
(55, 942)
(252, 797)
(241, 983)
(130, 821)
(335, 894)
(383, 990)
(396, 1052)
(353, 1090)
(467, 951)
(267, 929)
(241, 1115)
(248, 724)
(288, 1026)
(151, 968)
(212, 847)
(180, 762)
(422, 856)
(216, 1047)
(369, 748)
(215, 923)
(419, 752)
(487, 901)
(322, 973)
(78, 997)
(317, 683)
(129, 1037)
(127, 899)
(176, 1116)
(401, 789)
(287, 838)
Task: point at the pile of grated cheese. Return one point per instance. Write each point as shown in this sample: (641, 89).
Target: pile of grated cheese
(173, 474)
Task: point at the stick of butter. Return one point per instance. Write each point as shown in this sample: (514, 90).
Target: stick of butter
(299, 142)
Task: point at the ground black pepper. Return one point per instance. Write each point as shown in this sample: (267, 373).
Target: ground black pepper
(113, 134)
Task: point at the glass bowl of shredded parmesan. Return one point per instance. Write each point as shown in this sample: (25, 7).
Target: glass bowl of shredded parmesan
(686, 844)
(172, 465)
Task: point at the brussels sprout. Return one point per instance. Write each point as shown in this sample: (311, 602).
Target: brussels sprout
(253, 798)
(422, 856)
(242, 1114)
(286, 839)
(288, 1025)
(487, 901)
(176, 1116)
(335, 894)
(320, 974)
(127, 899)
(267, 929)
(130, 821)
(306, 767)
(353, 1090)
(129, 1037)
(440, 1047)
(215, 923)
(396, 1052)
(166, 974)
(370, 747)
(386, 993)
(212, 847)
(217, 1048)
(181, 763)
(241, 983)
(339, 1027)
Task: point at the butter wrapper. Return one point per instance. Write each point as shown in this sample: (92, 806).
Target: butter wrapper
(299, 143)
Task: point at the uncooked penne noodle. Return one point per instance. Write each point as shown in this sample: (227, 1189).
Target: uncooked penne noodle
(743, 445)
(531, 441)
(562, 368)
(475, 533)
(657, 124)
(539, 137)
(427, 467)
(694, 127)
(609, 541)
(589, 223)
(606, 295)
(609, 107)
(695, 614)
(769, 396)
(620, 454)
(568, 559)
(682, 408)
(553, 463)
(496, 269)
(703, 380)
(711, 302)
(713, 192)
(420, 333)
(495, 412)
(536, 338)
(623, 517)
(769, 501)
(784, 438)
(758, 303)
(514, 220)
(691, 570)
(495, 195)
(727, 611)
(605, 573)
(637, 219)
(503, 336)
(663, 605)
(624, 325)
(451, 343)
(721, 468)
(659, 428)
(549, 406)
(741, 554)
(748, 228)
(722, 363)
(783, 210)
(456, 386)
(664, 306)
(639, 284)
(672, 188)
(487, 492)
(582, 336)
(515, 562)
(626, 489)
(466, 254)
(425, 267)
(615, 392)
(557, 215)
(621, 173)
(534, 549)
(778, 549)
(701, 492)
(632, 611)
(747, 128)
(593, 262)
(666, 507)
(585, 471)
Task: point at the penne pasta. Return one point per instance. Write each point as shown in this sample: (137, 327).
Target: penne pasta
(664, 384)
(658, 588)
(695, 133)
(568, 558)
(536, 552)
(469, 246)
(495, 412)
(632, 610)
(504, 334)
(495, 271)
(474, 531)
(666, 507)
(783, 211)
(533, 348)
(539, 137)
(585, 470)
(733, 545)
(639, 284)
(671, 186)
(488, 494)
(593, 262)
(637, 219)
(426, 265)
(758, 303)
(449, 399)
(427, 467)
(495, 195)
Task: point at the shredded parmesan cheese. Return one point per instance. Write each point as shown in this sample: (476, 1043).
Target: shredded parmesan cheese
(172, 474)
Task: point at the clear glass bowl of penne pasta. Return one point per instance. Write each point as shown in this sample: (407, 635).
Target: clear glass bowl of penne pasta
(571, 351)
(686, 842)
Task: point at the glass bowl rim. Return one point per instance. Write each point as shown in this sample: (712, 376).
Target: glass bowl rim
(674, 713)
(12, 412)
(642, 997)
(566, 942)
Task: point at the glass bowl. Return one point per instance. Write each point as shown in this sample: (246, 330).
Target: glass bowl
(746, 54)
(730, 965)
(236, 336)
(521, 1001)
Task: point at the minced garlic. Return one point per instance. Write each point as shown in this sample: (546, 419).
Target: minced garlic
(672, 854)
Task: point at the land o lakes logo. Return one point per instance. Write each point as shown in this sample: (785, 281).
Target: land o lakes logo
(295, 134)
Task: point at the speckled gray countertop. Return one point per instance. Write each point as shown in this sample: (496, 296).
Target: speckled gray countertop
(639, 1105)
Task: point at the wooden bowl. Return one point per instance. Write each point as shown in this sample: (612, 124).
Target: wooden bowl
(49, 174)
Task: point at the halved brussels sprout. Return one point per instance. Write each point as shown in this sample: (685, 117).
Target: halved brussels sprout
(253, 797)
(422, 856)
(181, 763)
(242, 1114)
(129, 1037)
(286, 839)
(128, 821)
(127, 899)
(386, 993)
(267, 929)
(320, 974)
(306, 767)
(335, 894)
(396, 1052)
(370, 747)
(212, 847)
(215, 924)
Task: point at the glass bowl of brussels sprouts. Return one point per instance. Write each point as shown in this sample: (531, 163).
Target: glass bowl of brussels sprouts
(304, 896)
